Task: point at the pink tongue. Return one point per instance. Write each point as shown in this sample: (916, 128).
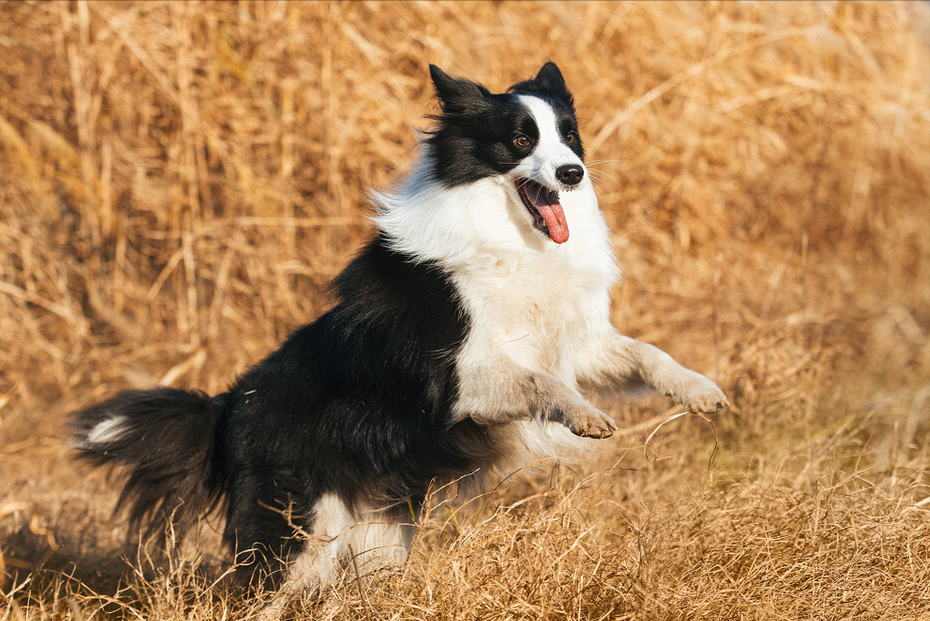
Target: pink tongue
(555, 220)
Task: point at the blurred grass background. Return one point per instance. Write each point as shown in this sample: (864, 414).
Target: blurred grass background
(180, 180)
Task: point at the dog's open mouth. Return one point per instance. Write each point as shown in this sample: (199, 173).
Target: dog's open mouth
(543, 204)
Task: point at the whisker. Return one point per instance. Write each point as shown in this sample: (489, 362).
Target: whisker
(599, 183)
(601, 174)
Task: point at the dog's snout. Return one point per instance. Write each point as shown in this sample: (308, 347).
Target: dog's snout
(569, 174)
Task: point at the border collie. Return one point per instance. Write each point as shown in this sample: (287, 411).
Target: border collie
(464, 339)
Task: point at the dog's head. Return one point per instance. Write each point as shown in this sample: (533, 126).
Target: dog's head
(527, 136)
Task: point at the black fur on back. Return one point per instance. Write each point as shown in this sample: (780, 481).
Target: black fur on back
(356, 403)
(168, 439)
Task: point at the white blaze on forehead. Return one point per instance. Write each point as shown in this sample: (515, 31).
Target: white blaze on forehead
(551, 149)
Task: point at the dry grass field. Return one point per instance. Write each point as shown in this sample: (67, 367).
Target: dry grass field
(181, 180)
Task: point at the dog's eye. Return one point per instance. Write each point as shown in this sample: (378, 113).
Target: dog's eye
(570, 137)
(521, 141)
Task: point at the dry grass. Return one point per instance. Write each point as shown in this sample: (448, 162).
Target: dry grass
(180, 180)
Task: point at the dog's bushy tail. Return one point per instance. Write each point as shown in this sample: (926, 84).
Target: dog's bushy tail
(169, 441)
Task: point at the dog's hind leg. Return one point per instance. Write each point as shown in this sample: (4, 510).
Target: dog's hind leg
(362, 542)
(616, 361)
(364, 539)
(268, 519)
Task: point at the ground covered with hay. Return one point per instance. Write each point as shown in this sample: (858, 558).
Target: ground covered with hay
(181, 180)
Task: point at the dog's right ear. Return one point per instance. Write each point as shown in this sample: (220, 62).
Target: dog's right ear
(456, 95)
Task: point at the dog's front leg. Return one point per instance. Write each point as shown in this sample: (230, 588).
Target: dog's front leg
(501, 392)
(617, 361)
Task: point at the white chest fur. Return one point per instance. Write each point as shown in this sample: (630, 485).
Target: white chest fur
(529, 300)
(535, 310)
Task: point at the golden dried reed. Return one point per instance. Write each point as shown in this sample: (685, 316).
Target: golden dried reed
(181, 179)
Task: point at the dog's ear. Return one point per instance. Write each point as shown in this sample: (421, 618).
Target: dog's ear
(550, 78)
(456, 95)
(548, 81)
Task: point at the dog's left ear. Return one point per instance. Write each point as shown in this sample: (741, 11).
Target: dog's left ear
(550, 78)
(548, 81)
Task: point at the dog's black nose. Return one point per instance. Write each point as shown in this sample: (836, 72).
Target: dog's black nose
(570, 174)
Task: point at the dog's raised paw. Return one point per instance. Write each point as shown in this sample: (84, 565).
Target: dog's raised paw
(699, 394)
(589, 422)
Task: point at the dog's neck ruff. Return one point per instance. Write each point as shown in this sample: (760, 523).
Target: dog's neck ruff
(485, 222)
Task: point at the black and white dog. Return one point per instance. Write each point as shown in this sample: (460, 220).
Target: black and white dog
(464, 338)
